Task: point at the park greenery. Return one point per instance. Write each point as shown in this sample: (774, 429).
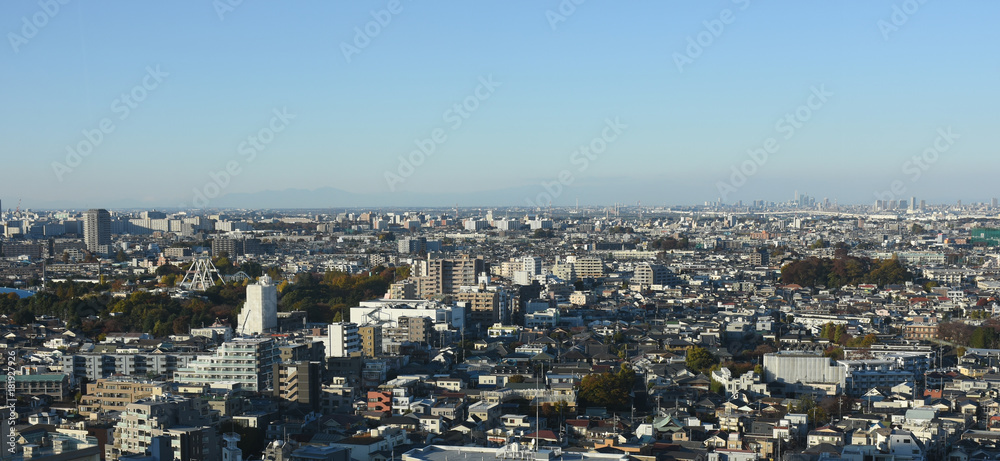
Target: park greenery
(844, 270)
(134, 305)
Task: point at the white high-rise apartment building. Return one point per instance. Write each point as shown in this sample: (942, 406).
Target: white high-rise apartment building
(245, 363)
(533, 265)
(343, 340)
(260, 312)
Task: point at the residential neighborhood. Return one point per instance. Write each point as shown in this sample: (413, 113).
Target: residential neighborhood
(792, 331)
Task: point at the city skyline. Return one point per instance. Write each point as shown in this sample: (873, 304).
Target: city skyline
(514, 104)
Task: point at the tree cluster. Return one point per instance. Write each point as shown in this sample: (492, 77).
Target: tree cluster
(327, 299)
(985, 336)
(846, 270)
(610, 390)
(543, 234)
(700, 359)
(668, 243)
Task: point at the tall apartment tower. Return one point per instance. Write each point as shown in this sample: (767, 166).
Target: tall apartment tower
(260, 312)
(97, 230)
(445, 276)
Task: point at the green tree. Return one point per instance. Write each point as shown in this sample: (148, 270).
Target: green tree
(827, 331)
(835, 353)
(609, 390)
(121, 256)
(516, 379)
(983, 338)
(24, 317)
(700, 359)
(839, 333)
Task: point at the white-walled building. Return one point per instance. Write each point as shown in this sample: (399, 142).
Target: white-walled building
(343, 340)
(390, 311)
(260, 312)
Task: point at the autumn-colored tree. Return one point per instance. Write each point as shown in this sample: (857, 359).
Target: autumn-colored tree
(864, 342)
(835, 353)
(956, 332)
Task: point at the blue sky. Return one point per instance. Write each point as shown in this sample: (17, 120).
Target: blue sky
(686, 128)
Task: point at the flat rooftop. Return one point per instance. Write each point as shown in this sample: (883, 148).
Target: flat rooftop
(447, 453)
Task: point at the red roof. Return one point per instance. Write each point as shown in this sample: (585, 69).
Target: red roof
(544, 435)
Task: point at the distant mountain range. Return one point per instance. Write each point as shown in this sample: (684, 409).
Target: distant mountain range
(604, 192)
(329, 197)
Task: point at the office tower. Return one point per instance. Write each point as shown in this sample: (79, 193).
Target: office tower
(913, 203)
(260, 312)
(97, 230)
